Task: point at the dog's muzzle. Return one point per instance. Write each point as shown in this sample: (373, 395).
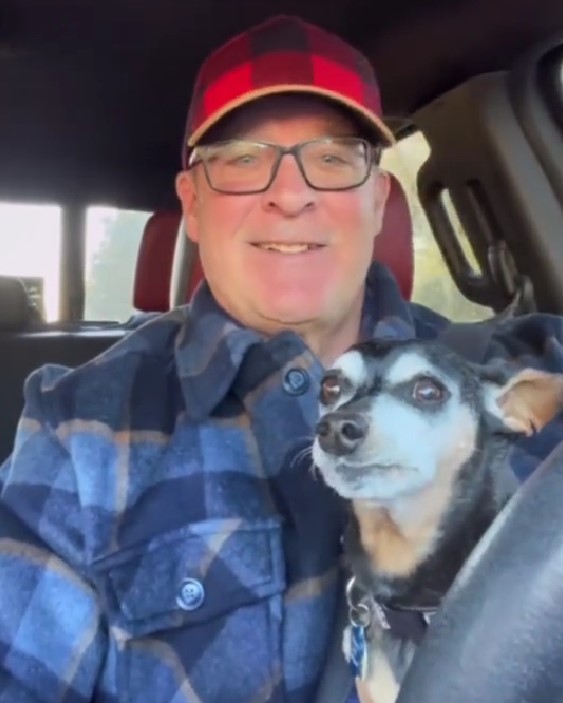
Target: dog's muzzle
(341, 433)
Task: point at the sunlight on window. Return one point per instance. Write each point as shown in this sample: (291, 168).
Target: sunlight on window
(433, 284)
(112, 244)
(30, 246)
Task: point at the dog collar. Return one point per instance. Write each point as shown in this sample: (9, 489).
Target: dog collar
(403, 622)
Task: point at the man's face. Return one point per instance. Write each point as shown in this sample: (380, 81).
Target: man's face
(252, 246)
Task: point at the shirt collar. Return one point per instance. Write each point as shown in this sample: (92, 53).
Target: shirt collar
(211, 345)
(385, 314)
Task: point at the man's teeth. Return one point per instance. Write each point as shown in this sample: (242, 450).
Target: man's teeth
(288, 248)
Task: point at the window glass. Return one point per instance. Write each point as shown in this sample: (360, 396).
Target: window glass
(30, 249)
(433, 285)
(112, 243)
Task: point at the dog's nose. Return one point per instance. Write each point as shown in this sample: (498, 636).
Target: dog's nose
(341, 433)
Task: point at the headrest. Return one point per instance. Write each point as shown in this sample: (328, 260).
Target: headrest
(393, 246)
(15, 309)
(154, 262)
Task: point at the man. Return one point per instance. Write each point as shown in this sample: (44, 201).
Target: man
(162, 536)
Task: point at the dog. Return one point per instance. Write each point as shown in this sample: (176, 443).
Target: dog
(415, 439)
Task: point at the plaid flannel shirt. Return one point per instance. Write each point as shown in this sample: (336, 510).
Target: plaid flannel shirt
(162, 538)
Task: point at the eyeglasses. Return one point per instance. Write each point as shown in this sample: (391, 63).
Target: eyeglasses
(243, 167)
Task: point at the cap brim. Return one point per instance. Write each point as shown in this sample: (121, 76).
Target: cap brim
(371, 118)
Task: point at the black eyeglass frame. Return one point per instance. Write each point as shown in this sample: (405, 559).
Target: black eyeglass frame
(373, 155)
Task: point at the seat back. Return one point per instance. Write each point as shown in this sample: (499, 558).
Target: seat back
(21, 353)
(393, 247)
(151, 291)
(17, 313)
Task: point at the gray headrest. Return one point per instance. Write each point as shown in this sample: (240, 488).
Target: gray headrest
(15, 310)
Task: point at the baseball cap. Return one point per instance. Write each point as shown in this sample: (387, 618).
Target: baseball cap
(283, 54)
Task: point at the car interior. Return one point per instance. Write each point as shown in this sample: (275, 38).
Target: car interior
(92, 108)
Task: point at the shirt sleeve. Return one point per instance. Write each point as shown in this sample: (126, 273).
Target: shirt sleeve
(531, 341)
(534, 340)
(51, 637)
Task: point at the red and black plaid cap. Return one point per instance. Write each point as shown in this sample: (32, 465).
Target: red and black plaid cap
(283, 54)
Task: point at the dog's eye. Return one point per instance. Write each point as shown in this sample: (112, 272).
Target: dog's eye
(331, 389)
(428, 390)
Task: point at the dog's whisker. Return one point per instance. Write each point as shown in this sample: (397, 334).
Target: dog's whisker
(314, 470)
(302, 455)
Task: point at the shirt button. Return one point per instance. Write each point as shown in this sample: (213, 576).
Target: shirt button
(191, 595)
(296, 382)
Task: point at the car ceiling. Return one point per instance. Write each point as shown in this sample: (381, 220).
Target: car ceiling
(94, 92)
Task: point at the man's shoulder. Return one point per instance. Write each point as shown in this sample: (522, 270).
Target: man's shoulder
(533, 338)
(143, 358)
(428, 324)
(81, 431)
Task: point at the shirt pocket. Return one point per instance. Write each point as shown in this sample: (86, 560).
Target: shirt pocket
(205, 601)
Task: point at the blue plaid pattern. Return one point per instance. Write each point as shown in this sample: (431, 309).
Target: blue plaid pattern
(162, 538)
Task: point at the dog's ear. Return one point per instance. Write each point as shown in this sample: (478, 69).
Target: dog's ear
(526, 401)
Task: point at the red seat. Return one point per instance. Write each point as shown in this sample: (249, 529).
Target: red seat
(393, 246)
(154, 262)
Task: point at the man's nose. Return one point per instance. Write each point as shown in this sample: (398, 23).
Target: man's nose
(341, 433)
(289, 192)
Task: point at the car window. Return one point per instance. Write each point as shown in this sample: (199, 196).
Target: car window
(30, 249)
(112, 243)
(433, 285)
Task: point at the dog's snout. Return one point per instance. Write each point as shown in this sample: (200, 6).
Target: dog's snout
(341, 433)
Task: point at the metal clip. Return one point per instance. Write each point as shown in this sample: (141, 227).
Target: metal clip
(360, 617)
(359, 610)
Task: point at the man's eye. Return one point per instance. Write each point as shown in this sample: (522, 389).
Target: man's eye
(333, 158)
(428, 390)
(240, 159)
(331, 389)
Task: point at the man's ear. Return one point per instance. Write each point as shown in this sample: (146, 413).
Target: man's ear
(382, 187)
(187, 192)
(527, 401)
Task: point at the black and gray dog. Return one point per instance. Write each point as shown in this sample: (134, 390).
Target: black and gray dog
(416, 439)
